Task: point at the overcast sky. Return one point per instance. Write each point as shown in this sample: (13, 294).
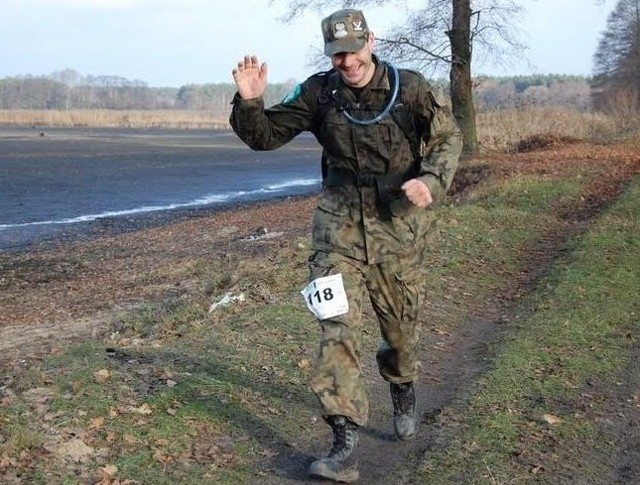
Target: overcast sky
(176, 42)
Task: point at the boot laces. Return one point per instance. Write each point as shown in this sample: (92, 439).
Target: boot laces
(403, 398)
(345, 438)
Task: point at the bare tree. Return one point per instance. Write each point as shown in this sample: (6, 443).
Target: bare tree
(440, 35)
(460, 74)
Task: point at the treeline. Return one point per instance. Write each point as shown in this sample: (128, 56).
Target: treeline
(534, 90)
(68, 90)
(617, 60)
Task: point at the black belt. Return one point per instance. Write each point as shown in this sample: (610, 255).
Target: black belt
(383, 183)
(338, 178)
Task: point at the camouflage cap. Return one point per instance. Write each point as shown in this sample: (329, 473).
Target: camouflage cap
(344, 31)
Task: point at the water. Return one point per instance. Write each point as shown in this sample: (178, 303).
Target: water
(72, 178)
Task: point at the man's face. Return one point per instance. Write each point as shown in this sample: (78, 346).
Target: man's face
(355, 68)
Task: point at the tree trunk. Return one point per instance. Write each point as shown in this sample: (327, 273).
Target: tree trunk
(460, 75)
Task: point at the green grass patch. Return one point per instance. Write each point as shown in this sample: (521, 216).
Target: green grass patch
(535, 408)
(532, 193)
(482, 244)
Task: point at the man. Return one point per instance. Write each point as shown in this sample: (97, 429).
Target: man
(389, 149)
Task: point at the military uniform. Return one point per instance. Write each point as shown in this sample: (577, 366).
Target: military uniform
(364, 227)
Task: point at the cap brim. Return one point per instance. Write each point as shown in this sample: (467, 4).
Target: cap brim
(344, 45)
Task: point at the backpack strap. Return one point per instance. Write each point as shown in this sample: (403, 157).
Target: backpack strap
(402, 115)
(324, 104)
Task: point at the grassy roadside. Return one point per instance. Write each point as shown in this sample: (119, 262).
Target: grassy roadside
(176, 393)
(548, 411)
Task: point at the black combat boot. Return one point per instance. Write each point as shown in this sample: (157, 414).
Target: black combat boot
(405, 416)
(341, 464)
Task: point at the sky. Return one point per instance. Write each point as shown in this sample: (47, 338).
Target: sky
(177, 42)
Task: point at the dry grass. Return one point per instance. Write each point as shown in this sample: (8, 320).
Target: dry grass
(104, 118)
(498, 130)
(502, 130)
(624, 106)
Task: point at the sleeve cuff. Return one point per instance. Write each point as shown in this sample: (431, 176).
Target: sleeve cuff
(433, 184)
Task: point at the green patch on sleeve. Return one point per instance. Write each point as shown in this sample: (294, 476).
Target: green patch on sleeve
(293, 95)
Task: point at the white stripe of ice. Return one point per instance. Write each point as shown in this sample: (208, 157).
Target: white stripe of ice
(209, 199)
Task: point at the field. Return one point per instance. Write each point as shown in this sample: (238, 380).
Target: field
(119, 366)
(499, 130)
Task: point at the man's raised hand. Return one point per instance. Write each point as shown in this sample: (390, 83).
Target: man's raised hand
(250, 77)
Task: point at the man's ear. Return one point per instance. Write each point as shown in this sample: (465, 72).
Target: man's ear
(371, 39)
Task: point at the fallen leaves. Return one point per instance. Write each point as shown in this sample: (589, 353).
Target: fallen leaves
(112, 271)
(96, 423)
(551, 419)
(102, 375)
(107, 474)
(144, 410)
(74, 450)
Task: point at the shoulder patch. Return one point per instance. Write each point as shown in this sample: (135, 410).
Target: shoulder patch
(293, 94)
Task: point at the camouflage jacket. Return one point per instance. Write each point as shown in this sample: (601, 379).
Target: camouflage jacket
(348, 217)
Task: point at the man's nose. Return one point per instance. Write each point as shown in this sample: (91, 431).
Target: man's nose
(348, 59)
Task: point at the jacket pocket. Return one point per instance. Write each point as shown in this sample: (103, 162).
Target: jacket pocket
(332, 218)
(333, 201)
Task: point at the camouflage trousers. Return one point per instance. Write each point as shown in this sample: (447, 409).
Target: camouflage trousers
(396, 291)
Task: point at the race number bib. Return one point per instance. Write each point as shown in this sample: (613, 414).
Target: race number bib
(326, 297)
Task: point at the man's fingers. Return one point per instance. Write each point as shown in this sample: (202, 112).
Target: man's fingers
(248, 62)
(407, 184)
(411, 186)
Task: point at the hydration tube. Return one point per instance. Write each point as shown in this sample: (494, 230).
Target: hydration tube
(385, 111)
